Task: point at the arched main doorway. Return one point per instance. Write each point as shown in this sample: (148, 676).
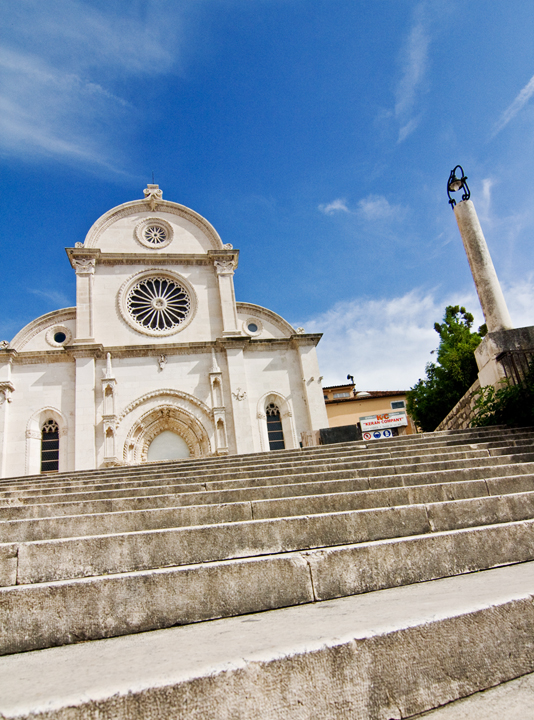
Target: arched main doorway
(167, 446)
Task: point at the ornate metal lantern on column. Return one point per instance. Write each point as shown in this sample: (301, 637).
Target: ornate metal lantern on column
(454, 184)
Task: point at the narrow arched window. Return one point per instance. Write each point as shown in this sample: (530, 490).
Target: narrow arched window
(274, 427)
(50, 447)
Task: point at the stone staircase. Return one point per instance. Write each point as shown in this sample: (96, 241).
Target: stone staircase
(389, 536)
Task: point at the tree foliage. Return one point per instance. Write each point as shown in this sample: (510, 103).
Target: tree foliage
(432, 398)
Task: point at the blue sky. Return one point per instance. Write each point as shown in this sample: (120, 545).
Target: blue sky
(316, 135)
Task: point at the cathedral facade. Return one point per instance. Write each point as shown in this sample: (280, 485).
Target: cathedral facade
(157, 360)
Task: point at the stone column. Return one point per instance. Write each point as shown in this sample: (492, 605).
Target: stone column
(225, 265)
(312, 390)
(84, 411)
(239, 395)
(85, 271)
(487, 284)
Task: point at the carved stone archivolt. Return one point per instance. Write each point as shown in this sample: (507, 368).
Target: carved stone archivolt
(158, 420)
(165, 395)
(164, 206)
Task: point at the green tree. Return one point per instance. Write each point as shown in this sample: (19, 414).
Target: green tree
(432, 398)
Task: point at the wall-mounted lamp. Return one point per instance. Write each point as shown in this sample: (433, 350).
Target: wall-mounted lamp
(351, 378)
(454, 184)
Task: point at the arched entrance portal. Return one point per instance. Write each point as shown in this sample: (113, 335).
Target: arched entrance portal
(167, 446)
(172, 429)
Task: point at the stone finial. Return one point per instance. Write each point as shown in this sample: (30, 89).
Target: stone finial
(153, 195)
(300, 331)
(214, 366)
(4, 344)
(108, 372)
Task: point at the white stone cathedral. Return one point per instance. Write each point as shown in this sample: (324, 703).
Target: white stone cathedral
(157, 360)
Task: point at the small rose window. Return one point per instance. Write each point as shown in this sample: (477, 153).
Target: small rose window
(154, 233)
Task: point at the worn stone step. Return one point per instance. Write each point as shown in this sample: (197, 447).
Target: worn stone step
(65, 612)
(330, 660)
(294, 463)
(75, 557)
(492, 467)
(428, 439)
(273, 469)
(282, 499)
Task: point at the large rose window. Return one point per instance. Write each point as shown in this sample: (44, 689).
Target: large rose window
(156, 304)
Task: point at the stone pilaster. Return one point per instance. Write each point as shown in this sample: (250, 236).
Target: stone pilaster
(84, 411)
(239, 394)
(85, 271)
(225, 264)
(312, 390)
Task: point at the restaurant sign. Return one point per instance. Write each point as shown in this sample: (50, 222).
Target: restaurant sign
(386, 420)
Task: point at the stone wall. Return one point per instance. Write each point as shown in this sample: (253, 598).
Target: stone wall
(462, 413)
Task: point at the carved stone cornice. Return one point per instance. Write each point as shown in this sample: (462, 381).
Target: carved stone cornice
(139, 258)
(306, 339)
(85, 350)
(225, 262)
(235, 342)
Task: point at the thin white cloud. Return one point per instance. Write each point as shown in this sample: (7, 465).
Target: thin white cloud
(372, 208)
(386, 343)
(520, 101)
(414, 66)
(60, 67)
(53, 297)
(376, 207)
(484, 202)
(339, 205)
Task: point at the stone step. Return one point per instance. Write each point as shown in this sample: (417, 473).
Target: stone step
(387, 655)
(419, 441)
(129, 551)
(329, 495)
(381, 460)
(498, 456)
(368, 466)
(307, 483)
(295, 460)
(238, 505)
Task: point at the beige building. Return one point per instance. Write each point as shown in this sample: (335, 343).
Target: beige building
(376, 410)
